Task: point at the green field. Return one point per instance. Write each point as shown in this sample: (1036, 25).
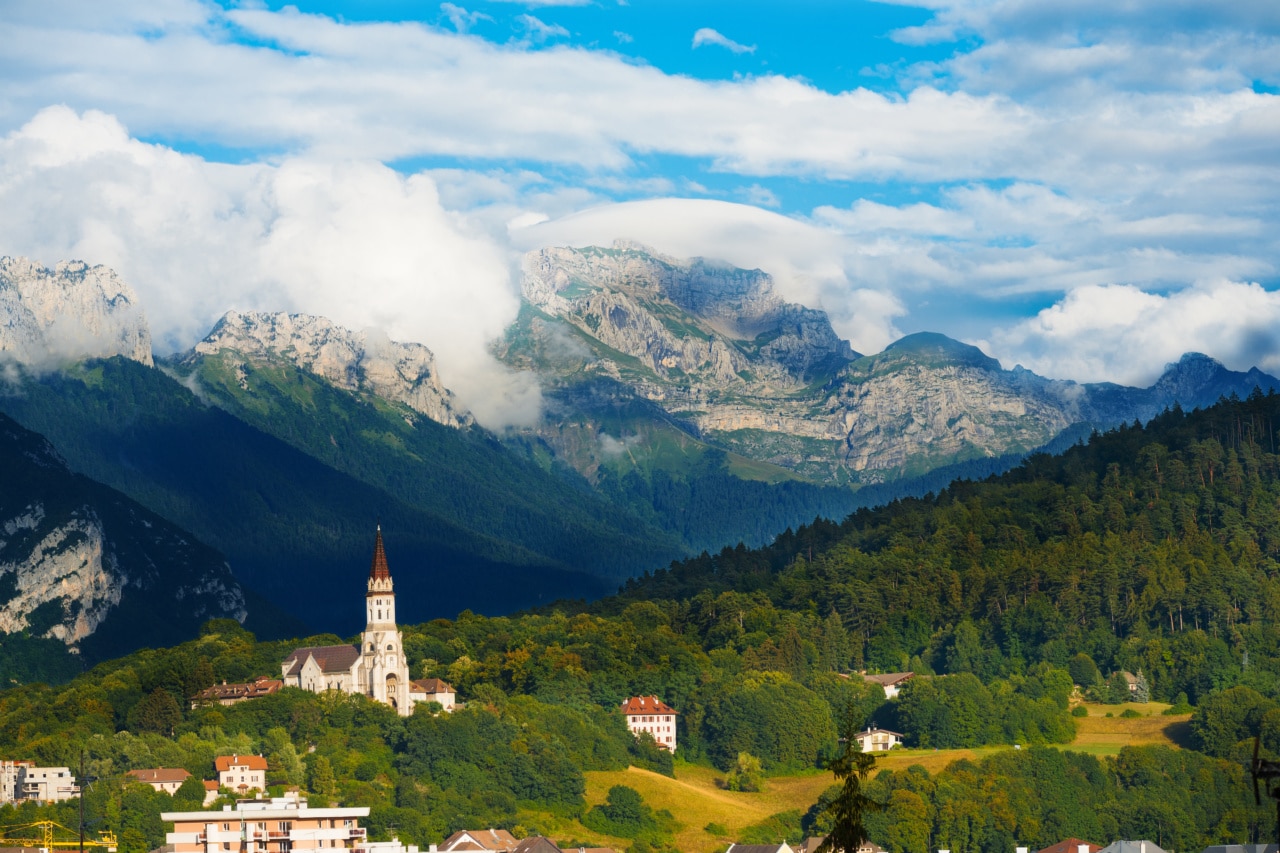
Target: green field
(696, 800)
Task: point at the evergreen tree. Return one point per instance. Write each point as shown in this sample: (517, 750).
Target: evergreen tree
(1142, 690)
(849, 808)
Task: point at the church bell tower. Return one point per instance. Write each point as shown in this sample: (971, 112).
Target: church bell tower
(384, 670)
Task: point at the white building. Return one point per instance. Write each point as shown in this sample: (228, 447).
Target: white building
(378, 669)
(244, 774)
(650, 714)
(44, 784)
(878, 740)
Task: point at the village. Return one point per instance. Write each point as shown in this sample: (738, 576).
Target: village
(242, 816)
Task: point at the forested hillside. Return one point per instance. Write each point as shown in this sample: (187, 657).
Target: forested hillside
(1149, 548)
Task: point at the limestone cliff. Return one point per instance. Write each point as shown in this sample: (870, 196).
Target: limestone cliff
(356, 361)
(83, 564)
(49, 317)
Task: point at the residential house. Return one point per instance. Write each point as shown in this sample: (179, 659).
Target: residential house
(811, 844)
(433, 690)
(230, 694)
(378, 668)
(1242, 848)
(1072, 845)
(480, 841)
(210, 792)
(280, 825)
(242, 773)
(878, 740)
(781, 847)
(891, 681)
(167, 779)
(650, 714)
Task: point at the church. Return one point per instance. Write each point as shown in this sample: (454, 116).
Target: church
(377, 668)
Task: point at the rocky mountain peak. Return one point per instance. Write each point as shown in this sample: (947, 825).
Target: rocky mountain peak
(698, 317)
(364, 361)
(938, 349)
(1200, 380)
(68, 313)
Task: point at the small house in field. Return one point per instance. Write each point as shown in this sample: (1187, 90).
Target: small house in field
(878, 740)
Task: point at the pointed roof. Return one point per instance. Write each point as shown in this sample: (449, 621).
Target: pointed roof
(378, 570)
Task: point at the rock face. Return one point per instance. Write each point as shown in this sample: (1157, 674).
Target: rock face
(723, 326)
(718, 352)
(49, 317)
(83, 564)
(361, 362)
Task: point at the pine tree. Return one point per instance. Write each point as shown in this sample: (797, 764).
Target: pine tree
(851, 805)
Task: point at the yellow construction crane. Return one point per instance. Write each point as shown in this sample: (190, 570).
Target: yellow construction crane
(45, 839)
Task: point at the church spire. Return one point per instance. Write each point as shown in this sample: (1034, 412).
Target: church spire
(378, 570)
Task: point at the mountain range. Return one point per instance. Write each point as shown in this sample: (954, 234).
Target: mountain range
(688, 406)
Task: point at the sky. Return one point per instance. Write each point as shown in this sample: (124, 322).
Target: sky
(1087, 189)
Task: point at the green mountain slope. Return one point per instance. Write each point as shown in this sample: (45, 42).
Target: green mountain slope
(1153, 549)
(291, 526)
(465, 475)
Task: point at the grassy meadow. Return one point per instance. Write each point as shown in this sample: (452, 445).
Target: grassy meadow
(697, 801)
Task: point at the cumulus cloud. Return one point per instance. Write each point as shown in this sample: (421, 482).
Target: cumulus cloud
(706, 35)
(1062, 148)
(350, 240)
(1122, 333)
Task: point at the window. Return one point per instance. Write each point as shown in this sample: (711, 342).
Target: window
(390, 647)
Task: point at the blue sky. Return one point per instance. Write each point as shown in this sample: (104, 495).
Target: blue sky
(1088, 189)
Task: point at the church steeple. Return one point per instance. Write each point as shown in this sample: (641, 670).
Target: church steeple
(378, 570)
(380, 600)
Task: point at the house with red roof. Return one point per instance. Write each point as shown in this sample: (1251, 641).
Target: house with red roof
(242, 773)
(650, 714)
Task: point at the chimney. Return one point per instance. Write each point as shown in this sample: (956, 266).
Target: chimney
(1082, 848)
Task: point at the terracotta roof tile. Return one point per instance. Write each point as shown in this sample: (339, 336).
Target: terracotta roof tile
(226, 762)
(646, 705)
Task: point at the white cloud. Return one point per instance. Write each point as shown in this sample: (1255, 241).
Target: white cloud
(623, 38)
(350, 240)
(539, 30)
(461, 19)
(706, 35)
(1122, 333)
(1076, 146)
